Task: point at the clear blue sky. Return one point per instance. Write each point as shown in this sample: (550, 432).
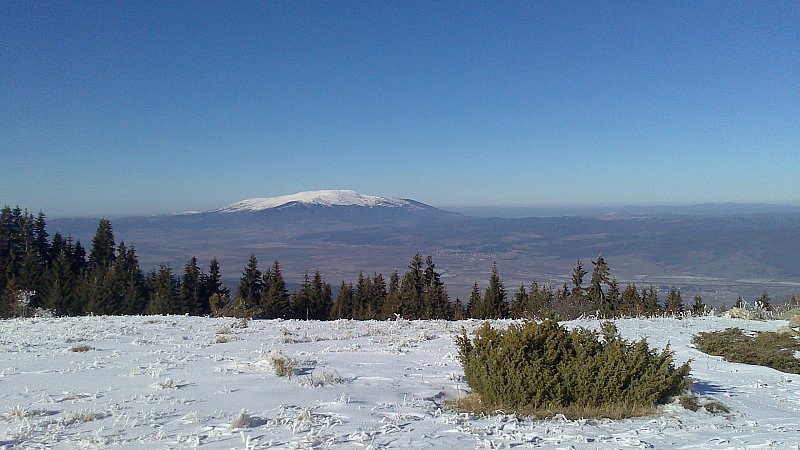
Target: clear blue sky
(150, 107)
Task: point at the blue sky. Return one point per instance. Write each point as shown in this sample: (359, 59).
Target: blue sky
(148, 107)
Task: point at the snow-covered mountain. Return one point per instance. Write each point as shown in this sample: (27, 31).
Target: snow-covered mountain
(329, 198)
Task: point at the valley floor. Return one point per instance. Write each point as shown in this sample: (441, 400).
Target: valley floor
(186, 382)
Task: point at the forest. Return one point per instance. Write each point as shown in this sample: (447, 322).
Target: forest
(44, 275)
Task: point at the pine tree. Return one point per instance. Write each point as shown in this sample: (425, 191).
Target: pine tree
(412, 288)
(191, 293)
(165, 293)
(102, 254)
(250, 286)
(79, 263)
(343, 305)
(301, 299)
(519, 305)
(613, 298)
(458, 310)
(495, 297)
(540, 300)
(57, 246)
(212, 286)
(393, 303)
(599, 278)
(131, 279)
(275, 298)
(631, 302)
(361, 300)
(59, 287)
(577, 280)
(378, 295)
(435, 299)
(475, 306)
(674, 304)
(321, 298)
(41, 246)
(763, 302)
(698, 307)
(650, 301)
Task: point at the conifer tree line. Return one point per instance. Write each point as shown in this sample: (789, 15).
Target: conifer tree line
(58, 275)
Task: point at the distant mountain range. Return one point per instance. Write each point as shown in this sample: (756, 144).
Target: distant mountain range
(702, 209)
(340, 232)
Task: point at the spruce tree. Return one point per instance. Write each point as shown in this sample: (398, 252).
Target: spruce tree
(698, 307)
(275, 298)
(519, 305)
(412, 288)
(250, 286)
(577, 280)
(41, 246)
(165, 293)
(343, 305)
(79, 263)
(361, 299)
(377, 295)
(650, 301)
(540, 300)
(763, 302)
(59, 287)
(321, 298)
(191, 293)
(674, 304)
(212, 286)
(495, 297)
(599, 279)
(458, 310)
(301, 299)
(393, 303)
(475, 306)
(631, 302)
(102, 254)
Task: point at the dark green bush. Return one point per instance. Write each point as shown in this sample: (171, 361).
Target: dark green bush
(544, 369)
(763, 349)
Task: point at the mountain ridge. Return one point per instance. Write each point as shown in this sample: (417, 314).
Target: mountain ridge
(327, 198)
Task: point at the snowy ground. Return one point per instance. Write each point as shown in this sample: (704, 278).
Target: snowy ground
(174, 382)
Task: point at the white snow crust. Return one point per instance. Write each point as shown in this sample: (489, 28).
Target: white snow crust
(322, 198)
(187, 382)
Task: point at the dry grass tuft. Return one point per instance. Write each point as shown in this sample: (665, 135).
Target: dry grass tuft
(283, 365)
(81, 348)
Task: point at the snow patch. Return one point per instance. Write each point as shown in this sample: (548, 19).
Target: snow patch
(319, 198)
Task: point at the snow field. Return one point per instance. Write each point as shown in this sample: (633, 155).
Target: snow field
(187, 382)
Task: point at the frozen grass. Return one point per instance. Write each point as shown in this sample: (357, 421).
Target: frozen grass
(283, 366)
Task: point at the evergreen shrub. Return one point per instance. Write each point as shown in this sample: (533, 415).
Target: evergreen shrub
(767, 348)
(542, 369)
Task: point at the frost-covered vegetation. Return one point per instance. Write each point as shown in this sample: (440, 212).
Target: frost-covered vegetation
(766, 348)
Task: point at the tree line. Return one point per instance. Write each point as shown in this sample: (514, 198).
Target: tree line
(59, 276)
